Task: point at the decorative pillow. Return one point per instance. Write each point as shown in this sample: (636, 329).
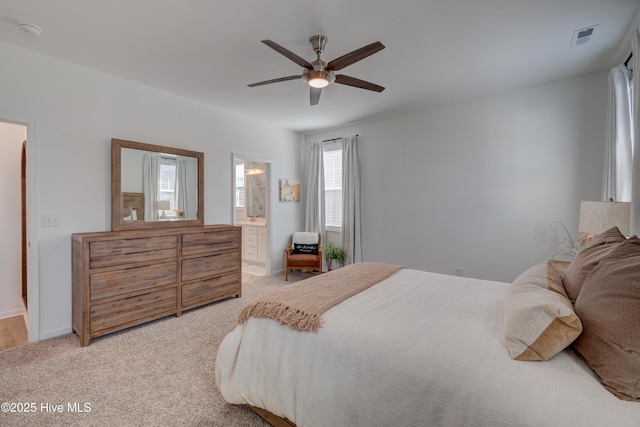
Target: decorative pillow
(304, 242)
(609, 307)
(539, 320)
(304, 248)
(587, 259)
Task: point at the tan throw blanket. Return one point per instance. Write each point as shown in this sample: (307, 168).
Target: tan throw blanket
(300, 305)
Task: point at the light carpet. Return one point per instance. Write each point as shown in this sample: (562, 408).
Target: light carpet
(157, 374)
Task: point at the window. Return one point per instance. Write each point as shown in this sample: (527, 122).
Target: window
(333, 187)
(167, 181)
(240, 185)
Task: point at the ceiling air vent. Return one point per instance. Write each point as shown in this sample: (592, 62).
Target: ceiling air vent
(583, 35)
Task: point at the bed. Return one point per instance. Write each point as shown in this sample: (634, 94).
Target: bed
(415, 348)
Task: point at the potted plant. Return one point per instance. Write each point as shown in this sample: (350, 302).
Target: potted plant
(336, 253)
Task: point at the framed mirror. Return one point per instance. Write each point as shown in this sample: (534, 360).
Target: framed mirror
(155, 187)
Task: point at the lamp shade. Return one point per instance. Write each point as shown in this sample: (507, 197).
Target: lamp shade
(596, 217)
(163, 205)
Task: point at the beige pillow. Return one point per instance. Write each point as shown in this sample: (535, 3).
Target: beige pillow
(539, 320)
(587, 259)
(609, 307)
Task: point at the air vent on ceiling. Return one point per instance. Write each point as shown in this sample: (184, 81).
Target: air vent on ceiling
(583, 35)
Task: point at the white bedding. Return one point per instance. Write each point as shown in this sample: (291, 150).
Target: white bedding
(416, 349)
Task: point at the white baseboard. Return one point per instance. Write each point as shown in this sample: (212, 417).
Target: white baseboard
(12, 313)
(55, 333)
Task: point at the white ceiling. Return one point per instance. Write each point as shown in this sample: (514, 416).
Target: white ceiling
(437, 51)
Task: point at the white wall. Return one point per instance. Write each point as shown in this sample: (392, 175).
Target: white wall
(472, 185)
(477, 184)
(11, 138)
(77, 112)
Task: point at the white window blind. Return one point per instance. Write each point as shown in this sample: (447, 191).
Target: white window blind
(240, 185)
(333, 187)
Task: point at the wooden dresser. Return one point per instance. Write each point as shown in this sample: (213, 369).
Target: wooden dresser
(125, 278)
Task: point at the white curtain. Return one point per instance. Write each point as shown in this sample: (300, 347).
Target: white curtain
(314, 216)
(350, 233)
(151, 168)
(635, 185)
(619, 139)
(181, 187)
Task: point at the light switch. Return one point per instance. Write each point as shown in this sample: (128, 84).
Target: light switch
(51, 220)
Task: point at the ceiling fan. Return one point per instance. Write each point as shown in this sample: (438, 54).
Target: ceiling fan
(319, 74)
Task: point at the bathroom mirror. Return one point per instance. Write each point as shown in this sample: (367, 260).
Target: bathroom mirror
(155, 187)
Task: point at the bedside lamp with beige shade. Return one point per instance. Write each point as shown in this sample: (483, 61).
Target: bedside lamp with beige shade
(163, 205)
(596, 217)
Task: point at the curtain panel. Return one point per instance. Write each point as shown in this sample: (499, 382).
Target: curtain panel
(635, 185)
(619, 138)
(314, 212)
(181, 187)
(151, 169)
(350, 233)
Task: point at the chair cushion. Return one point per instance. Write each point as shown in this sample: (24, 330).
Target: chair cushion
(303, 260)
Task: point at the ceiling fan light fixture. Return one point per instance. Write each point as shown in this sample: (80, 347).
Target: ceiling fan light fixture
(319, 74)
(318, 82)
(319, 79)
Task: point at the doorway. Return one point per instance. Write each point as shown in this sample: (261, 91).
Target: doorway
(13, 247)
(251, 178)
(26, 238)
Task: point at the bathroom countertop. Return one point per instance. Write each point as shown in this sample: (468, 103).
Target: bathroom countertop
(256, 223)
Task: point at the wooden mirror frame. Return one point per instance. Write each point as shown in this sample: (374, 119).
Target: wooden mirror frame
(117, 222)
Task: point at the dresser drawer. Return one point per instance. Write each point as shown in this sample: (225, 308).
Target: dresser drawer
(215, 241)
(117, 282)
(108, 253)
(207, 266)
(126, 278)
(126, 312)
(206, 291)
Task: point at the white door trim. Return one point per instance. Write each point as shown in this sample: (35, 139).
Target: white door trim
(33, 213)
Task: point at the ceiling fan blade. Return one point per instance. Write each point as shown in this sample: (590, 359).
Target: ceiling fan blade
(355, 56)
(314, 95)
(362, 84)
(292, 56)
(280, 79)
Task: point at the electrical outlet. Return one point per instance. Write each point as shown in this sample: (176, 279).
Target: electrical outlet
(51, 220)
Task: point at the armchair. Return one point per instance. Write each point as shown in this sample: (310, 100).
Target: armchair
(305, 253)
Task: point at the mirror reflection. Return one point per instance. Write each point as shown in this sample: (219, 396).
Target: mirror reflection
(251, 191)
(158, 186)
(154, 186)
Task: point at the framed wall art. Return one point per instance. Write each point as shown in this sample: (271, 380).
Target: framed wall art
(289, 190)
